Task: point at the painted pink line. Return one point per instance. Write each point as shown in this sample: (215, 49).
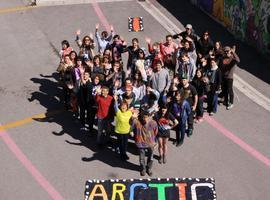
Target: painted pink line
(30, 167)
(238, 141)
(101, 16)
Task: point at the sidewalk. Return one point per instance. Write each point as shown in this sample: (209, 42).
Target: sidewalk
(253, 68)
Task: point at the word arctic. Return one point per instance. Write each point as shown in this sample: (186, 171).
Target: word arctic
(151, 189)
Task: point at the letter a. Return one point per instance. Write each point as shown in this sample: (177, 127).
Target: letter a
(102, 193)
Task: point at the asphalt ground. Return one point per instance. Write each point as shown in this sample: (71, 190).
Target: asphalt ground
(66, 157)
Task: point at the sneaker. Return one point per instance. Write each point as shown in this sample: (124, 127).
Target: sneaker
(190, 131)
(149, 172)
(142, 173)
(178, 144)
(230, 106)
(211, 114)
(84, 129)
(200, 120)
(164, 159)
(126, 157)
(160, 160)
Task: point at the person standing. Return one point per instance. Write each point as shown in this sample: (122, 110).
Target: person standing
(191, 95)
(104, 39)
(85, 98)
(160, 79)
(145, 130)
(104, 103)
(228, 65)
(181, 110)
(122, 126)
(214, 77)
(166, 121)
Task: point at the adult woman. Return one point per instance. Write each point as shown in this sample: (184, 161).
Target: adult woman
(200, 84)
(140, 64)
(122, 126)
(181, 110)
(133, 51)
(66, 49)
(98, 68)
(73, 57)
(139, 84)
(165, 121)
(117, 73)
(86, 46)
(107, 66)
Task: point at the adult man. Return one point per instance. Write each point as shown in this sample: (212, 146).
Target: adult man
(169, 47)
(145, 130)
(186, 67)
(228, 65)
(86, 100)
(105, 106)
(192, 97)
(188, 33)
(160, 79)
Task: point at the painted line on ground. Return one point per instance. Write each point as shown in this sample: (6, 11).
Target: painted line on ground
(72, 2)
(101, 16)
(29, 120)
(256, 154)
(42, 181)
(15, 9)
(239, 83)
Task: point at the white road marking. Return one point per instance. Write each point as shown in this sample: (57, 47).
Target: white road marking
(239, 83)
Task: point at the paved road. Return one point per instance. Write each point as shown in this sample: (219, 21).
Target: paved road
(51, 156)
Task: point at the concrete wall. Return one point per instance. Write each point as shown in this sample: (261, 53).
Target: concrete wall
(248, 20)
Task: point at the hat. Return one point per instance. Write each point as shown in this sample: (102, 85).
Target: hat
(227, 48)
(189, 26)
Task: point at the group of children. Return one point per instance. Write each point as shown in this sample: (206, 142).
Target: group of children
(161, 89)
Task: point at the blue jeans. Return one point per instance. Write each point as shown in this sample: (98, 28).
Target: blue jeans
(180, 131)
(122, 140)
(212, 102)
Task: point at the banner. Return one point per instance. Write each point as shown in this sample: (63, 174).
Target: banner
(151, 189)
(135, 24)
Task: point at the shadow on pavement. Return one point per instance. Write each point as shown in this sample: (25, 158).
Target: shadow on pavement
(48, 96)
(251, 60)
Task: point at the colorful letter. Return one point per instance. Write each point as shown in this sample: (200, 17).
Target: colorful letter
(182, 190)
(102, 193)
(193, 188)
(161, 189)
(132, 188)
(118, 192)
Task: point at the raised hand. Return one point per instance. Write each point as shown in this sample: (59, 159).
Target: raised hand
(97, 26)
(148, 40)
(91, 35)
(112, 29)
(78, 32)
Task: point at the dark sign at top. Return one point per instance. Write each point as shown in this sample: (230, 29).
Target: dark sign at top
(151, 189)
